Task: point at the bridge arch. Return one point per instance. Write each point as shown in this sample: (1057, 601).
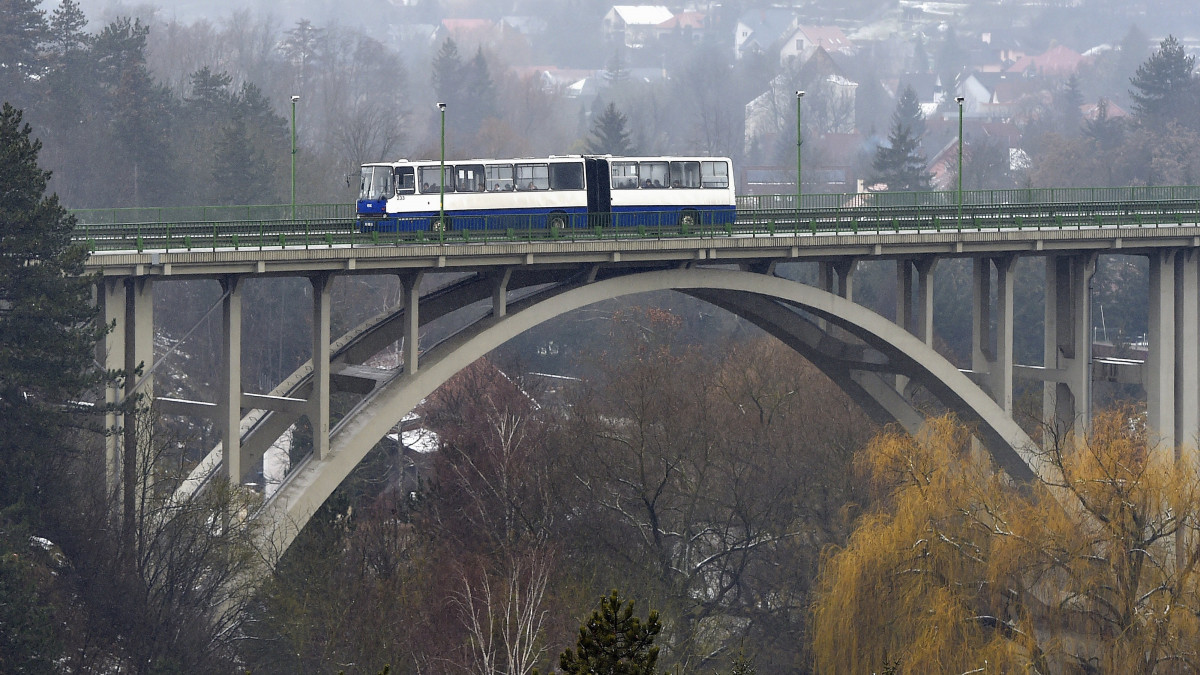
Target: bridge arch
(787, 309)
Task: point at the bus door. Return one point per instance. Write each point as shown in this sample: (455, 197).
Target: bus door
(599, 190)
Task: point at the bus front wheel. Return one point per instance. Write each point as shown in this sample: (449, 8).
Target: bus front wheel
(557, 220)
(689, 218)
(440, 224)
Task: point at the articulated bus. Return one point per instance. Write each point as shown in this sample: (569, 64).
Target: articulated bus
(554, 192)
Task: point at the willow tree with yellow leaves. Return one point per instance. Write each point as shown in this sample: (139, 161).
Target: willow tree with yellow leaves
(961, 569)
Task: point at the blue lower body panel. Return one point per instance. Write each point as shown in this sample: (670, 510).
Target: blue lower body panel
(477, 220)
(672, 216)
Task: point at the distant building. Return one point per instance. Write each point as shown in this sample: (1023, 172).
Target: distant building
(1057, 61)
(1000, 96)
(803, 41)
(761, 30)
(635, 25)
(684, 27)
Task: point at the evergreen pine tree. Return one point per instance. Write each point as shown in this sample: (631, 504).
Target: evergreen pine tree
(138, 111)
(900, 163)
(240, 175)
(47, 323)
(614, 642)
(450, 79)
(1068, 100)
(479, 92)
(609, 133)
(1164, 88)
(22, 30)
(920, 61)
(67, 25)
(615, 71)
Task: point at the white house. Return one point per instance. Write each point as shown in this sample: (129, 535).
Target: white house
(761, 29)
(635, 25)
(804, 40)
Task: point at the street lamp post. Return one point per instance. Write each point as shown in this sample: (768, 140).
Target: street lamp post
(799, 165)
(295, 99)
(959, 100)
(442, 187)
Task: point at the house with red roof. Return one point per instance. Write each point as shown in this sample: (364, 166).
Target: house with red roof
(804, 40)
(684, 25)
(1057, 61)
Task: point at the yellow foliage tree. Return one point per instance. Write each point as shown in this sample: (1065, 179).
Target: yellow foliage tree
(962, 570)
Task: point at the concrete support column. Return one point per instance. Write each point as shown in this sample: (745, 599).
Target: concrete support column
(1160, 362)
(229, 403)
(1066, 403)
(925, 267)
(981, 315)
(112, 295)
(318, 403)
(1187, 353)
(500, 293)
(410, 287)
(1002, 366)
(991, 351)
(915, 317)
(139, 358)
(837, 277)
(904, 291)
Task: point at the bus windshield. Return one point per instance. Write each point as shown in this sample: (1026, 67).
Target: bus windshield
(376, 182)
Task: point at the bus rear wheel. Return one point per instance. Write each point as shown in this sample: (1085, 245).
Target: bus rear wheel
(440, 224)
(689, 218)
(557, 221)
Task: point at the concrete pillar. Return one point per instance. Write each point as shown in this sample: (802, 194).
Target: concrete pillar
(500, 293)
(904, 291)
(1002, 365)
(112, 294)
(991, 350)
(837, 277)
(410, 287)
(924, 328)
(139, 358)
(1066, 404)
(1160, 362)
(981, 314)
(229, 403)
(318, 402)
(1187, 353)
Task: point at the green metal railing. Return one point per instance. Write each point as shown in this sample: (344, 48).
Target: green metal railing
(1028, 196)
(211, 214)
(328, 225)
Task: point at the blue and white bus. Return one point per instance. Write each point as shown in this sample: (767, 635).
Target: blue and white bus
(552, 192)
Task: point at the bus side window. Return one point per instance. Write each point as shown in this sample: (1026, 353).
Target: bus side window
(406, 181)
(499, 177)
(685, 174)
(532, 177)
(624, 175)
(566, 176)
(468, 177)
(431, 179)
(653, 175)
(714, 174)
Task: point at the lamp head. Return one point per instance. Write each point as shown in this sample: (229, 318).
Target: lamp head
(295, 98)
(799, 93)
(442, 107)
(959, 99)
